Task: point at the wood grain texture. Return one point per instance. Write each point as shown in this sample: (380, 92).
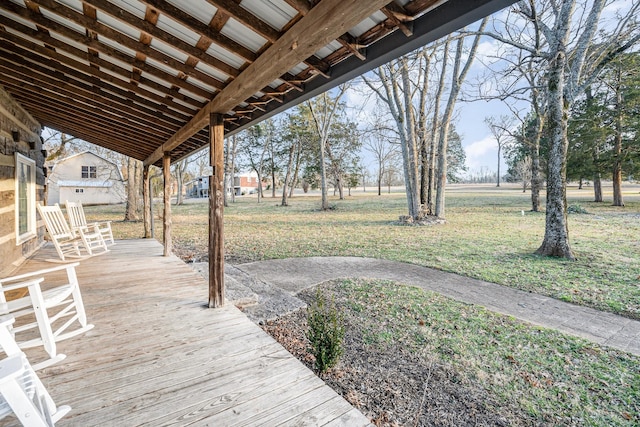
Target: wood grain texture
(324, 23)
(158, 357)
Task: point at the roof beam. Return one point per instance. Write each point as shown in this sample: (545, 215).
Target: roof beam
(190, 22)
(324, 23)
(153, 31)
(443, 20)
(247, 18)
(398, 16)
(91, 74)
(113, 34)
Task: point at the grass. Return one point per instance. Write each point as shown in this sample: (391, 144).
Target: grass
(486, 237)
(549, 377)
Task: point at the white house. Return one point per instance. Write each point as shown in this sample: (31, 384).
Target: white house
(244, 183)
(85, 177)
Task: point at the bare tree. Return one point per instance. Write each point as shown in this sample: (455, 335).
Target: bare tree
(323, 111)
(397, 93)
(179, 171)
(384, 150)
(460, 72)
(230, 169)
(133, 209)
(572, 47)
(501, 130)
(523, 172)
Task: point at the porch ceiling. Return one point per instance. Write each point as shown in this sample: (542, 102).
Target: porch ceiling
(142, 76)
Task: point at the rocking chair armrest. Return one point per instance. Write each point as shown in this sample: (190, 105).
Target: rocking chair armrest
(38, 273)
(11, 367)
(25, 284)
(87, 228)
(6, 320)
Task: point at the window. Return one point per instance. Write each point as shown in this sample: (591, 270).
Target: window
(89, 172)
(25, 198)
(79, 190)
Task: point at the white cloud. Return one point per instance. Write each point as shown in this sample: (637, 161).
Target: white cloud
(482, 153)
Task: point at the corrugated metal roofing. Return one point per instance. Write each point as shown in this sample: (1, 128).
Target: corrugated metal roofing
(109, 71)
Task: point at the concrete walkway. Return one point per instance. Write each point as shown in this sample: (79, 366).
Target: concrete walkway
(281, 279)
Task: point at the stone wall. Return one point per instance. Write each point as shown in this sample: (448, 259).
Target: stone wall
(19, 132)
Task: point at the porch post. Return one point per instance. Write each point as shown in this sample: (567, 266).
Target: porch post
(216, 206)
(146, 201)
(166, 223)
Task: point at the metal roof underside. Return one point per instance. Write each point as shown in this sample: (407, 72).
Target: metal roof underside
(142, 76)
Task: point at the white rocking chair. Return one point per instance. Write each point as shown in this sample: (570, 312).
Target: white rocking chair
(70, 244)
(55, 309)
(77, 220)
(21, 391)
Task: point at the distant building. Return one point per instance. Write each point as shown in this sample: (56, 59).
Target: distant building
(85, 177)
(197, 188)
(244, 183)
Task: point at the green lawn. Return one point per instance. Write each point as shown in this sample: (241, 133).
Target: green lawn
(531, 375)
(485, 237)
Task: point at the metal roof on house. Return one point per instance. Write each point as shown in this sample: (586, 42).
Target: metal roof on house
(85, 183)
(142, 76)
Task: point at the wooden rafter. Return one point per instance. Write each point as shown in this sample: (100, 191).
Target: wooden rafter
(211, 32)
(397, 15)
(142, 74)
(92, 75)
(121, 38)
(243, 16)
(322, 24)
(147, 27)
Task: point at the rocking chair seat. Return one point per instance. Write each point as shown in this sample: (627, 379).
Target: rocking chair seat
(58, 310)
(21, 391)
(70, 243)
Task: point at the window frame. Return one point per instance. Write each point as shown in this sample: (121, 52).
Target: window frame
(91, 172)
(30, 233)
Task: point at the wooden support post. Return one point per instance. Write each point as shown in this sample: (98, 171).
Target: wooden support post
(216, 207)
(166, 223)
(146, 201)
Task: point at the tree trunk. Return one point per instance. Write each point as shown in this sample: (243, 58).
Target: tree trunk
(556, 236)
(536, 179)
(597, 188)
(166, 222)
(287, 176)
(232, 178)
(134, 172)
(323, 177)
(499, 149)
(273, 181)
(179, 184)
(617, 153)
(146, 196)
(294, 180)
(260, 195)
(410, 147)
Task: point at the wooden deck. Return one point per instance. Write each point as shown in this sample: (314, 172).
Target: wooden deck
(157, 356)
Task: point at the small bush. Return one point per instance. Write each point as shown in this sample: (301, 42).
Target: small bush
(576, 209)
(325, 332)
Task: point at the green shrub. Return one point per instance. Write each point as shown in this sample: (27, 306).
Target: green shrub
(576, 209)
(325, 332)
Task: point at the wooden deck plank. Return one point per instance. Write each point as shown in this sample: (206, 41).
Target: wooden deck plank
(157, 356)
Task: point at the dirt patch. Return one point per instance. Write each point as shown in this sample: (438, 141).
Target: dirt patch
(392, 385)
